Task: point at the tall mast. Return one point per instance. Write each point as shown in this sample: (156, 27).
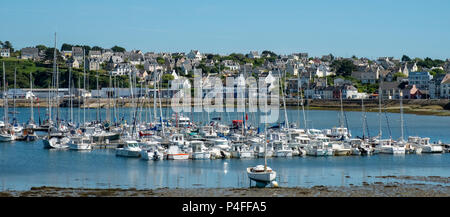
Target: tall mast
(303, 103)
(342, 109)
(57, 96)
(14, 95)
(31, 98)
(160, 107)
(79, 100)
(286, 121)
(5, 96)
(380, 95)
(363, 121)
(108, 115)
(84, 87)
(98, 101)
(70, 94)
(401, 115)
(154, 94)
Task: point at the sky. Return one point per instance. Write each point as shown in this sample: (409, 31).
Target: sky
(344, 28)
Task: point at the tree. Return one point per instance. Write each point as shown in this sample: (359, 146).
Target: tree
(97, 48)
(160, 60)
(268, 52)
(343, 67)
(49, 54)
(405, 58)
(430, 63)
(41, 47)
(7, 45)
(118, 49)
(66, 47)
(398, 75)
(437, 72)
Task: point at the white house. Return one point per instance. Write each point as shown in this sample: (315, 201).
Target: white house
(4, 52)
(420, 79)
(194, 54)
(254, 55)
(445, 87)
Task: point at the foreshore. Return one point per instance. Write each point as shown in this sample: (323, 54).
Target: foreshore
(438, 107)
(376, 189)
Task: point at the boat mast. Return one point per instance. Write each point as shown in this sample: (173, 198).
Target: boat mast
(79, 100)
(154, 93)
(342, 110)
(363, 122)
(286, 121)
(160, 107)
(108, 115)
(31, 98)
(5, 96)
(380, 94)
(98, 102)
(14, 95)
(57, 97)
(84, 87)
(401, 115)
(70, 93)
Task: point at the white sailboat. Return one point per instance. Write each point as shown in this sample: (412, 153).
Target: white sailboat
(6, 133)
(262, 174)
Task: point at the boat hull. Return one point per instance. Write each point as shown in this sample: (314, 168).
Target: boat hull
(180, 156)
(264, 177)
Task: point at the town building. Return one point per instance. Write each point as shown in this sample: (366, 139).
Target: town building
(29, 53)
(4, 52)
(420, 79)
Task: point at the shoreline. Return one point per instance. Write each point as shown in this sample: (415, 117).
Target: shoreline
(376, 189)
(438, 107)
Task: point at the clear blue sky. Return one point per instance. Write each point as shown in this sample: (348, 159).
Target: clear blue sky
(341, 27)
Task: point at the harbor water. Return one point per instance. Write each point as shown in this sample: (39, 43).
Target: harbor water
(27, 164)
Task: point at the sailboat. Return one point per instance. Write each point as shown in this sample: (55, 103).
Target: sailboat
(262, 174)
(6, 134)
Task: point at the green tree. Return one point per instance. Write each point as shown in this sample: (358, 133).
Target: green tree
(160, 60)
(118, 49)
(66, 47)
(343, 67)
(398, 75)
(97, 48)
(7, 45)
(41, 47)
(49, 54)
(405, 58)
(437, 71)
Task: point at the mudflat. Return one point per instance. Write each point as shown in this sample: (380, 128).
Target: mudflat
(377, 189)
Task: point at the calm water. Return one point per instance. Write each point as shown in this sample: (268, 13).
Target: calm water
(23, 165)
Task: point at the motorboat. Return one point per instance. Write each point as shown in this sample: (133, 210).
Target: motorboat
(340, 149)
(241, 150)
(281, 149)
(129, 148)
(152, 151)
(79, 143)
(56, 142)
(174, 153)
(199, 151)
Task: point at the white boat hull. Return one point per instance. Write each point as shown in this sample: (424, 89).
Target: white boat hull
(201, 155)
(261, 176)
(283, 153)
(180, 156)
(7, 138)
(127, 153)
